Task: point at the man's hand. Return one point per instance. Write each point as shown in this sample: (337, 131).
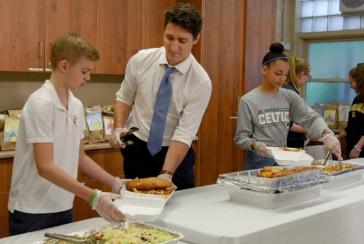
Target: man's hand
(165, 176)
(104, 206)
(115, 137)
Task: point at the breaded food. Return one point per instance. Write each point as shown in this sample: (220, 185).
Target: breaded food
(151, 185)
(274, 172)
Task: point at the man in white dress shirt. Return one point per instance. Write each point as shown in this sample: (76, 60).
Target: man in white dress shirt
(171, 156)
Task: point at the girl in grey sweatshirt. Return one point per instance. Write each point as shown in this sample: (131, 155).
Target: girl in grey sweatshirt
(264, 114)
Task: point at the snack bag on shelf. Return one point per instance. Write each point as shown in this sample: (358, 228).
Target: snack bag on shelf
(94, 124)
(331, 115)
(108, 126)
(11, 126)
(343, 111)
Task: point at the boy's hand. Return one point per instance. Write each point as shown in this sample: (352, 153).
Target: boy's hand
(104, 206)
(118, 184)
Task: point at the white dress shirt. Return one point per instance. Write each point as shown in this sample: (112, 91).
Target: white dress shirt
(191, 91)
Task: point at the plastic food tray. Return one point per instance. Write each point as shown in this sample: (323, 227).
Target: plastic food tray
(178, 235)
(272, 200)
(250, 180)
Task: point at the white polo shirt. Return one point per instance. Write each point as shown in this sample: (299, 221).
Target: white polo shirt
(191, 91)
(45, 120)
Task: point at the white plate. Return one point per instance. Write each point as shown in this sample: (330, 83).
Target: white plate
(289, 158)
(141, 207)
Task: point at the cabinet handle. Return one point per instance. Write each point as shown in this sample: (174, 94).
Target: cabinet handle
(36, 69)
(40, 49)
(48, 69)
(233, 117)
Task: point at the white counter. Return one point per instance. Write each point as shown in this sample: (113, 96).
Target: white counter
(63, 229)
(205, 215)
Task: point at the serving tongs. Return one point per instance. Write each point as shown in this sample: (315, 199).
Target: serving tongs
(130, 131)
(323, 162)
(89, 239)
(71, 238)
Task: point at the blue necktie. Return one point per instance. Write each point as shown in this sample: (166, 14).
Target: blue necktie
(155, 138)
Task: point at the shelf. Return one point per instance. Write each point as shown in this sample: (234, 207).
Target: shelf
(88, 147)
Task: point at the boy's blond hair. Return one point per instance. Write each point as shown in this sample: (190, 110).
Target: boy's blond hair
(71, 47)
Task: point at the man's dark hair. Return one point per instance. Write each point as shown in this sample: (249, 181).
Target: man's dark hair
(186, 16)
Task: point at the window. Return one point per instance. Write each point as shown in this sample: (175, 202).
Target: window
(330, 63)
(325, 15)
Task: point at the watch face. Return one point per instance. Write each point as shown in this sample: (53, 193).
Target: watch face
(352, 3)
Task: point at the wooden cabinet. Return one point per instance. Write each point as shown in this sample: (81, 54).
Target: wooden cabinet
(6, 166)
(153, 22)
(117, 28)
(119, 33)
(109, 159)
(222, 56)
(62, 16)
(21, 34)
(235, 36)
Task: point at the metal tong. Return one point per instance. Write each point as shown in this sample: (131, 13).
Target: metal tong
(326, 157)
(90, 239)
(70, 238)
(130, 131)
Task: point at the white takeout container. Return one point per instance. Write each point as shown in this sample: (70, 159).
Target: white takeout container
(140, 206)
(290, 158)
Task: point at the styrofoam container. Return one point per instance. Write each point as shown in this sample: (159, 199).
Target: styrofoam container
(140, 206)
(272, 200)
(290, 158)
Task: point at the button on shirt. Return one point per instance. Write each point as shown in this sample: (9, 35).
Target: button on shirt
(191, 91)
(45, 120)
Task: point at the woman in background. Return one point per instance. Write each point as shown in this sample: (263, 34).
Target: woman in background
(265, 111)
(299, 74)
(355, 128)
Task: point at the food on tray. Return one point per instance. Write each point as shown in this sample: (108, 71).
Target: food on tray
(291, 149)
(151, 185)
(134, 234)
(338, 168)
(274, 172)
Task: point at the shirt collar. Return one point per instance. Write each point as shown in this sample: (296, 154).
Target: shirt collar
(181, 67)
(54, 96)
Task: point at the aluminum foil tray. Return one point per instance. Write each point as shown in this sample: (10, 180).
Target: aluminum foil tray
(343, 177)
(250, 180)
(268, 200)
(177, 236)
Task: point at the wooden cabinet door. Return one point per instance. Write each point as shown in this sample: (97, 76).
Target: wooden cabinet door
(63, 16)
(222, 50)
(153, 22)
(22, 34)
(119, 34)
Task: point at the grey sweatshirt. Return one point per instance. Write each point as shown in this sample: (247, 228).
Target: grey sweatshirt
(265, 118)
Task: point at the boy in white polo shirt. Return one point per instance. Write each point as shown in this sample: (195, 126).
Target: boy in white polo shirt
(49, 147)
